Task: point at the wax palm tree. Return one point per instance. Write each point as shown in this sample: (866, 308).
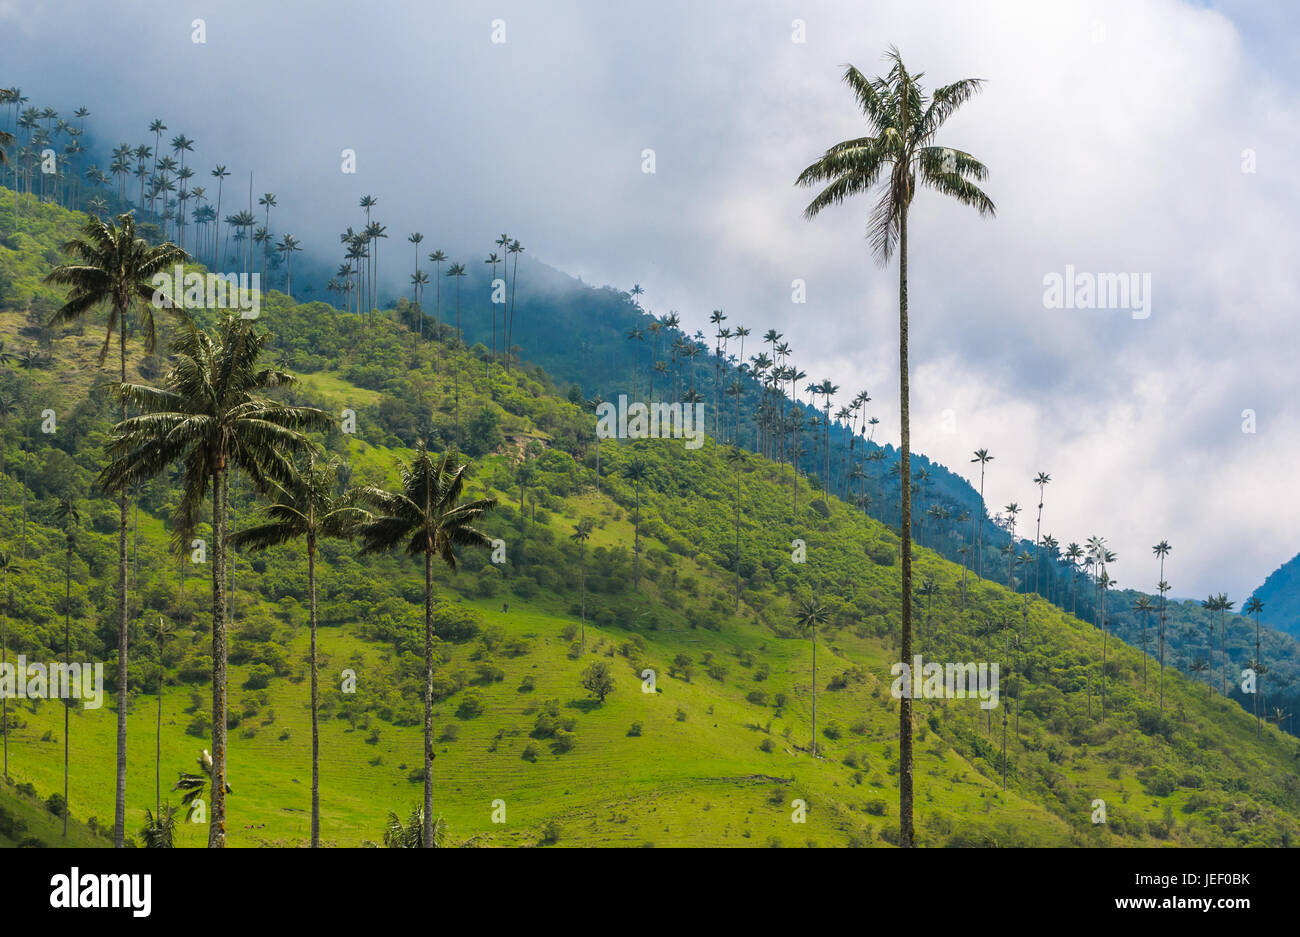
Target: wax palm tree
(210, 416)
(635, 471)
(219, 173)
(1225, 606)
(736, 458)
(458, 271)
(1162, 550)
(809, 615)
(426, 517)
(8, 565)
(1255, 607)
(287, 247)
(495, 261)
(1144, 606)
(113, 267)
(516, 249)
(636, 335)
(68, 516)
(309, 507)
(160, 633)
(1199, 666)
(983, 458)
(437, 258)
(903, 127)
(1042, 479)
(156, 127)
(581, 534)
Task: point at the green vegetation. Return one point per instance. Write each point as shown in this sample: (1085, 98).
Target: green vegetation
(687, 568)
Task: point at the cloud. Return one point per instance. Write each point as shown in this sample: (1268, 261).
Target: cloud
(1114, 133)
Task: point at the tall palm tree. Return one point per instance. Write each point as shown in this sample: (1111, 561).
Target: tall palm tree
(810, 614)
(160, 633)
(581, 534)
(287, 247)
(983, 458)
(8, 565)
(1012, 509)
(1255, 607)
(495, 261)
(514, 248)
(219, 173)
(156, 127)
(1144, 606)
(1042, 479)
(635, 471)
(69, 517)
(736, 456)
(903, 126)
(1161, 550)
(312, 508)
(427, 517)
(458, 271)
(113, 267)
(212, 417)
(437, 258)
(1225, 606)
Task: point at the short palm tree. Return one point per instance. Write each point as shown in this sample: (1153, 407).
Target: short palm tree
(114, 268)
(410, 835)
(212, 417)
(312, 508)
(427, 517)
(159, 830)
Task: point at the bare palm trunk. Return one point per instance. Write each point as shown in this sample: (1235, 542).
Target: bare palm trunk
(315, 699)
(119, 805)
(428, 694)
(67, 661)
(157, 756)
(905, 834)
(217, 822)
(814, 693)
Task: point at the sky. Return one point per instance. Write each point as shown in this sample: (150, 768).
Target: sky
(1155, 139)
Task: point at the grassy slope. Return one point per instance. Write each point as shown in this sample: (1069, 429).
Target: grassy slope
(704, 779)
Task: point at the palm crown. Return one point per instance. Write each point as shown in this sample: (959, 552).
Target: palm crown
(905, 123)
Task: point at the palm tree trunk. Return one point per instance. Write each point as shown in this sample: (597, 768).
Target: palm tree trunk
(905, 834)
(315, 728)
(428, 695)
(220, 651)
(67, 660)
(814, 693)
(157, 757)
(119, 806)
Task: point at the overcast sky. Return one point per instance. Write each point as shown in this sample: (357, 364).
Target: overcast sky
(1115, 135)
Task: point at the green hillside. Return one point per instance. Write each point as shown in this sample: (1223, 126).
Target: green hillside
(720, 750)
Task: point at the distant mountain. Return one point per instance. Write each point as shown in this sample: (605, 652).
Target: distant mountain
(1280, 594)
